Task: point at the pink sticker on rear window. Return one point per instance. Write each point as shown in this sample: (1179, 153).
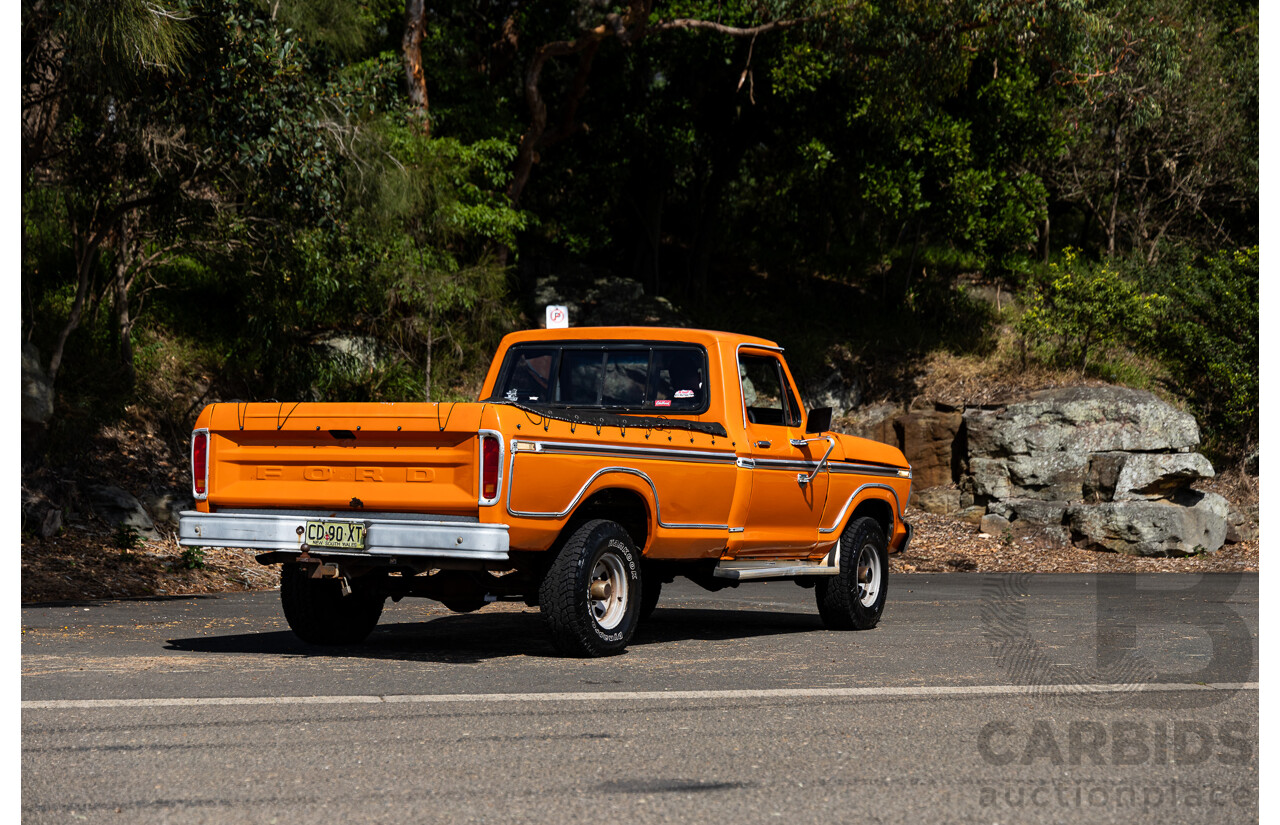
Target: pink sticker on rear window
(664, 403)
(684, 393)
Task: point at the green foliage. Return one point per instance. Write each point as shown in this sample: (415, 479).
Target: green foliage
(1206, 331)
(193, 558)
(1076, 308)
(1158, 102)
(110, 43)
(126, 538)
(1196, 316)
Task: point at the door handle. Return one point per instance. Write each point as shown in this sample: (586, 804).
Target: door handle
(764, 445)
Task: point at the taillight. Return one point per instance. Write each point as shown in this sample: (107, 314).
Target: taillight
(490, 464)
(200, 463)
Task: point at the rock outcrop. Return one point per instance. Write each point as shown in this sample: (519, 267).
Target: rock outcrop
(1190, 522)
(1112, 464)
(40, 515)
(841, 394)
(37, 392)
(1081, 419)
(116, 506)
(165, 507)
(1109, 467)
(926, 434)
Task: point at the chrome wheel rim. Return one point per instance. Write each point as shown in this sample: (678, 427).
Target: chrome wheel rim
(870, 577)
(608, 591)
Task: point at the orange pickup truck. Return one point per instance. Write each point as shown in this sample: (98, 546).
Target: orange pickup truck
(599, 463)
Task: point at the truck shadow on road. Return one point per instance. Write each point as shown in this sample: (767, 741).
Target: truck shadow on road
(478, 637)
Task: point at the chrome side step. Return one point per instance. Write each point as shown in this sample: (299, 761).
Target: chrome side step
(784, 569)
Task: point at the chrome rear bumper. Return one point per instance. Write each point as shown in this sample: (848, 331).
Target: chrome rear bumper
(383, 537)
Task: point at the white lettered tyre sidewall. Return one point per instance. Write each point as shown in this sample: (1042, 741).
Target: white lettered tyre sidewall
(620, 548)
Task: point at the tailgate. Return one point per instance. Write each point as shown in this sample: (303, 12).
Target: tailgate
(406, 457)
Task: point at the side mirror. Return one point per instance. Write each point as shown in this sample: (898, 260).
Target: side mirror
(819, 420)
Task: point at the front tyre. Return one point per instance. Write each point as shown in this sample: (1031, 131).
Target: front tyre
(591, 595)
(652, 591)
(854, 599)
(321, 613)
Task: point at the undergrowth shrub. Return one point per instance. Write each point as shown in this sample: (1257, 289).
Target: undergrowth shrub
(1076, 310)
(1206, 334)
(1188, 323)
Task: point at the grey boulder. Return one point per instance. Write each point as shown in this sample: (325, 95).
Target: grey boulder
(1029, 509)
(1081, 420)
(940, 500)
(835, 391)
(37, 392)
(116, 506)
(993, 525)
(165, 507)
(1048, 477)
(1190, 523)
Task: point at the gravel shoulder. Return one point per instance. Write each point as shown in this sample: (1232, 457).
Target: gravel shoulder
(943, 544)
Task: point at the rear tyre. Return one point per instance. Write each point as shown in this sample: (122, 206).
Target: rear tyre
(590, 597)
(854, 599)
(318, 611)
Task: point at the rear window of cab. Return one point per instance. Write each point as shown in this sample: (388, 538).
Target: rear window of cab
(615, 376)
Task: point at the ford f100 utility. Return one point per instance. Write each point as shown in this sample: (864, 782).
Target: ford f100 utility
(598, 464)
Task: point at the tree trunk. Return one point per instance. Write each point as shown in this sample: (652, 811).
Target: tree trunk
(1115, 195)
(123, 280)
(415, 20)
(431, 336)
(86, 256)
(83, 275)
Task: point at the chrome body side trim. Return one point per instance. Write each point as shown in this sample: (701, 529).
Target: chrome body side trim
(840, 517)
(621, 451)
(384, 537)
(854, 468)
(838, 467)
(502, 459)
(657, 504)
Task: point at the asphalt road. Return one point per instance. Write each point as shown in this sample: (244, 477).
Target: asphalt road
(979, 699)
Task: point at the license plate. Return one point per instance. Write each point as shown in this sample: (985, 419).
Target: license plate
(348, 535)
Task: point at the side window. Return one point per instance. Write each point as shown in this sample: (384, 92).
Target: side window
(793, 408)
(529, 378)
(768, 398)
(679, 382)
(625, 377)
(626, 372)
(580, 377)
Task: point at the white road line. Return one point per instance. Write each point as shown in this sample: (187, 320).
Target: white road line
(646, 695)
